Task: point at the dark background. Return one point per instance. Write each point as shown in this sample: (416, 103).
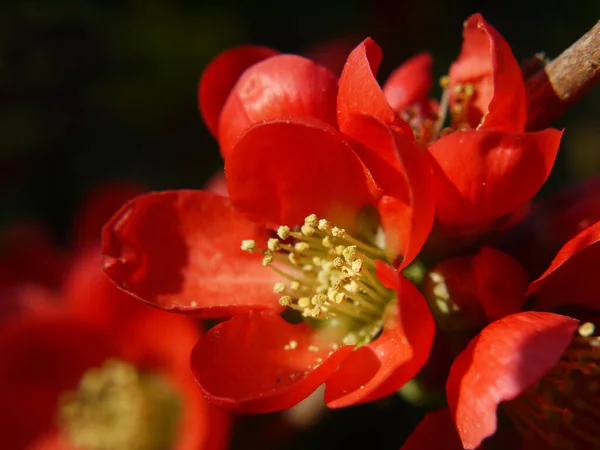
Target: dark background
(93, 91)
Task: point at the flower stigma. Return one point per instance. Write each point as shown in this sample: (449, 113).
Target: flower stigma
(118, 407)
(562, 410)
(328, 277)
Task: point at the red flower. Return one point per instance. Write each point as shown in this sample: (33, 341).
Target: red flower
(531, 364)
(91, 358)
(485, 165)
(180, 251)
(488, 166)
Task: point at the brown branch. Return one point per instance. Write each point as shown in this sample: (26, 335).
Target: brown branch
(564, 80)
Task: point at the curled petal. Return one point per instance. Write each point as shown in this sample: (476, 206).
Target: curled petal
(280, 87)
(270, 364)
(506, 358)
(409, 83)
(220, 76)
(435, 432)
(487, 62)
(403, 172)
(279, 172)
(571, 278)
(482, 175)
(384, 365)
(360, 94)
(180, 251)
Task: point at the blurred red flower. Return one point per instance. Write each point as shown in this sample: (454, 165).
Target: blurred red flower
(85, 366)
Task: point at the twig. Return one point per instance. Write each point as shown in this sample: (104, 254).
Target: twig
(564, 80)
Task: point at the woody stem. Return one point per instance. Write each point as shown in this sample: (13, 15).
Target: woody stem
(563, 81)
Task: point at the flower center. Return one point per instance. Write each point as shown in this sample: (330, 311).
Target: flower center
(563, 409)
(117, 407)
(328, 277)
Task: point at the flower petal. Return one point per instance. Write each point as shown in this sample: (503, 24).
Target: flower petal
(402, 170)
(280, 87)
(281, 171)
(501, 283)
(384, 365)
(409, 83)
(180, 251)
(505, 359)
(28, 254)
(40, 357)
(482, 175)
(269, 364)
(220, 76)
(360, 94)
(435, 432)
(487, 62)
(571, 278)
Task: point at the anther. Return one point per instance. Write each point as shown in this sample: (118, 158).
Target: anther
(444, 81)
(273, 245)
(586, 329)
(324, 225)
(248, 245)
(357, 265)
(311, 221)
(349, 253)
(267, 258)
(286, 300)
(283, 232)
(307, 230)
(301, 247)
(338, 232)
(279, 287)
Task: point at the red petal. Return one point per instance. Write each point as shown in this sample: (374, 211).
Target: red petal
(487, 62)
(220, 76)
(89, 294)
(360, 94)
(180, 250)
(282, 171)
(501, 283)
(28, 255)
(409, 83)
(571, 278)
(387, 363)
(247, 365)
(39, 359)
(280, 87)
(217, 184)
(403, 171)
(435, 432)
(99, 206)
(482, 175)
(505, 359)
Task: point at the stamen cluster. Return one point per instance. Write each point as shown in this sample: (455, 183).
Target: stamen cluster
(329, 275)
(563, 409)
